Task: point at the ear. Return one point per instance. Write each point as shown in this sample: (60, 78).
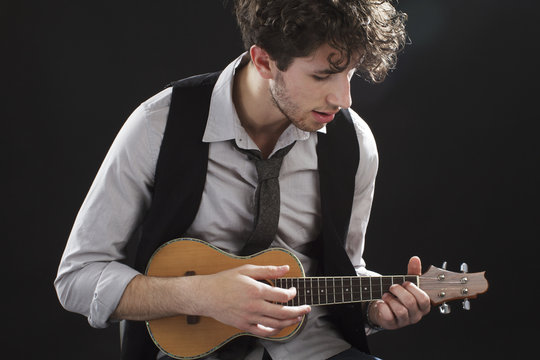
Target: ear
(263, 63)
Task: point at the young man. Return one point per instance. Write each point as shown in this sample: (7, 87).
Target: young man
(291, 89)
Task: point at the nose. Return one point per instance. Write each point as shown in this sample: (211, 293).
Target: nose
(340, 93)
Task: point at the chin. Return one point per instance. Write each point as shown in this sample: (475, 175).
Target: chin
(308, 126)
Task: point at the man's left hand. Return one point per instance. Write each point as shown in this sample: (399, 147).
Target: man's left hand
(404, 305)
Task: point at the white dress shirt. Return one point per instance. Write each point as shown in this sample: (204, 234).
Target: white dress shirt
(91, 278)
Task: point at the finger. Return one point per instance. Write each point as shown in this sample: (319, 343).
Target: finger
(264, 331)
(405, 297)
(260, 330)
(422, 299)
(278, 295)
(415, 266)
(384, 317)
(264, 272)
(410, 301)
(277, 324)
(401, 313)
(282, 312)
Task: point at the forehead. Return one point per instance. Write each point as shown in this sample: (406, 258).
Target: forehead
(326, 58)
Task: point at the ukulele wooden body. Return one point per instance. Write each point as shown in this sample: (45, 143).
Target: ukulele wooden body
(184, 337)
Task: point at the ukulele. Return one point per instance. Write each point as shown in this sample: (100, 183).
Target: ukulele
(192, 337)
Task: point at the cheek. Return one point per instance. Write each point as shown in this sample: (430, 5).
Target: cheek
(306, 94)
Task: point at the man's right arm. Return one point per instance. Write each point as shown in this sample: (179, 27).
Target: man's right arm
(91, 277)
(234, 297)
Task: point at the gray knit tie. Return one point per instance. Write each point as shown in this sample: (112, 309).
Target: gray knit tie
(267, 199)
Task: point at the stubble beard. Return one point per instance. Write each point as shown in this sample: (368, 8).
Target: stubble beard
(281, 100)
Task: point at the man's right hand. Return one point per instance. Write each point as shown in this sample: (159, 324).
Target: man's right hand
(236, 297)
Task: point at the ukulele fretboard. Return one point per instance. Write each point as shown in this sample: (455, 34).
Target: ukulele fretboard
(340, 290)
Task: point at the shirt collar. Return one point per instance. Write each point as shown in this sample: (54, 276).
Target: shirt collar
(223, 122)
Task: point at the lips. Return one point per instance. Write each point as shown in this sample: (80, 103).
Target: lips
(323, 117)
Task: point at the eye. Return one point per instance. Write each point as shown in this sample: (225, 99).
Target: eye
(320, 78)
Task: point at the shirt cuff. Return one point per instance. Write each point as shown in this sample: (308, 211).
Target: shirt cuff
(111, 285)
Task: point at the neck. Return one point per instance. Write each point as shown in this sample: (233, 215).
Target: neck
(260, 118)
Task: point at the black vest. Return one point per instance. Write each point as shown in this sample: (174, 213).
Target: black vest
(179, 182)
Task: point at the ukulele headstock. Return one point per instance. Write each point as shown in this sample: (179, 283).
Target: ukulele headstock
(442, 285)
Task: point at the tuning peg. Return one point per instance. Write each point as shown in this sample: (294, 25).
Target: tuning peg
(466, 304)
(444, 265)
(464, 268)
(444, 309)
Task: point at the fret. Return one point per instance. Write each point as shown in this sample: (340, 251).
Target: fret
(283, 285)
(307, 296)
(301, 292)
(325, 290)
(387, 281)
(277, 283)
(365, 292)
(356, 291)
(294, 283)
(315, 291)
(376, 291)
(309, 292)
(330, 293)
(338, 290)
(412, 278)
(288, 286)
(348, 290)
(322, 291)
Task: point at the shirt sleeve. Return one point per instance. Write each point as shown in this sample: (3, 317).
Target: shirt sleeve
(91, 277)
(363, 195)
(363, 199)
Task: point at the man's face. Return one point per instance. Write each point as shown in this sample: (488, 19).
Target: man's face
(309, 93)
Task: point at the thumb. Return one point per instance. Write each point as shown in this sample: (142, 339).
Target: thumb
(415, 266)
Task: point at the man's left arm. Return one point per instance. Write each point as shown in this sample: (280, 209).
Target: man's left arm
(405, 304)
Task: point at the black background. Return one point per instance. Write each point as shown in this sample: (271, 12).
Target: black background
(455, 125)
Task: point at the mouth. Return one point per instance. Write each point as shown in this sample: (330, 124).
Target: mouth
(323, 117)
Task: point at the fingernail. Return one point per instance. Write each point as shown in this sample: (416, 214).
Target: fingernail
(293, 289)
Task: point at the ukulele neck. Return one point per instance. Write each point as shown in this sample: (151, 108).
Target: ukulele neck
(340, 290)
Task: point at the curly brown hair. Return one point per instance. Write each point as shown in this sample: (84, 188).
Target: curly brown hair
(369, 32)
